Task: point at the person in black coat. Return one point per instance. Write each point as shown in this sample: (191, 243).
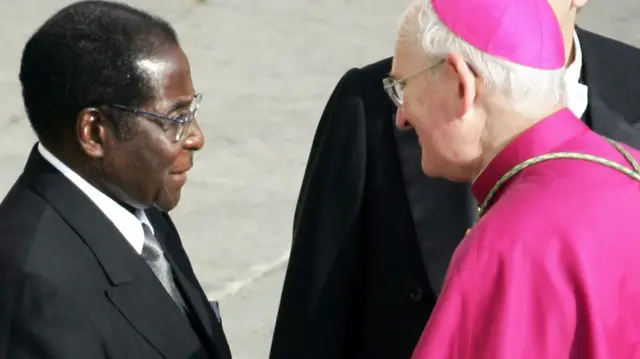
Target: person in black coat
(373, 236)
(91, 264)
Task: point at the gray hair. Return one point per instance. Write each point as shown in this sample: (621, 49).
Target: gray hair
(526, 90)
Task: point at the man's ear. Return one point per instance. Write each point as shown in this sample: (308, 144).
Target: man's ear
(465, 79)
(92, 131)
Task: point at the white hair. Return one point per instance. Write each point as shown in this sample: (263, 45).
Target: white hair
(527, 90)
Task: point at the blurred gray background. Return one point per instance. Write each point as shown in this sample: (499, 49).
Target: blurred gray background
(266, 69)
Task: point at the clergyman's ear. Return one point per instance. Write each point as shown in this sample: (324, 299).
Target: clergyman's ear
(92, 130)
(466, 82)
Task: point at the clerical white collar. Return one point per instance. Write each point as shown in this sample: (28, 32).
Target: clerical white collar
(574, 70)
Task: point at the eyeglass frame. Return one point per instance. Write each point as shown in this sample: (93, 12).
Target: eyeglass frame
(389, 83)
(186, 123)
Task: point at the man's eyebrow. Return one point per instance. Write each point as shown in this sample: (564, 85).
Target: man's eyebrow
(180, 104)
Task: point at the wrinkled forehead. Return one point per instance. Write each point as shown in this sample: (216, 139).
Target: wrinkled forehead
(409, 54)
(408, 57)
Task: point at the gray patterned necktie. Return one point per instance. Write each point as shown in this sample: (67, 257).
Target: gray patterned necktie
(154, 256)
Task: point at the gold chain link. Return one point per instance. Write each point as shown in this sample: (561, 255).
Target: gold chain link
(635, 173)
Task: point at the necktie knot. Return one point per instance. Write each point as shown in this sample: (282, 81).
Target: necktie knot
(151, 250)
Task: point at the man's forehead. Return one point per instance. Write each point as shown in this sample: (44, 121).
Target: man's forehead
(155, 68)
(170, 79)
(404, 61)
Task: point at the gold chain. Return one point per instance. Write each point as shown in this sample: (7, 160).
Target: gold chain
(635, 173)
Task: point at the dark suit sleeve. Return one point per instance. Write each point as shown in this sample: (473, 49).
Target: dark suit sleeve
(319, 298)
(39, 321)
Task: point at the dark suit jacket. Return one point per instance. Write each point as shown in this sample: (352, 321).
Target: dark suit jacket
(71, 286)
(358, 285)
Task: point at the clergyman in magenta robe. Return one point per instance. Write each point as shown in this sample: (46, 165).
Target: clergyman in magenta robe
(552, 268)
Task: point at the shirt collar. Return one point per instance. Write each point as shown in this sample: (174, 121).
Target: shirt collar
(128, 224)
(574, 70)
(543, 137)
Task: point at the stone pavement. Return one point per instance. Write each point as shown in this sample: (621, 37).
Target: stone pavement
(266, 69)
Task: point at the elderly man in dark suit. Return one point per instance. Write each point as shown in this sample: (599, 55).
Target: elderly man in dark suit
(91, 265)
(373, 236)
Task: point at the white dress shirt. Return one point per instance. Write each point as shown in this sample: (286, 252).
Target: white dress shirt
(577, 93)
(128, 224)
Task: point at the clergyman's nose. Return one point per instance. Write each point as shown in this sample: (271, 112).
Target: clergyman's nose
(401, 121)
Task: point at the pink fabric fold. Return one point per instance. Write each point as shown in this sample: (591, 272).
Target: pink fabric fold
(524, 32)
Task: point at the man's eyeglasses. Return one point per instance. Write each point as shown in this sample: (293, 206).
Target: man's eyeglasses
(176, 127)
(395, 88)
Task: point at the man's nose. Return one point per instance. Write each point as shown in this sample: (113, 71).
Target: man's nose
(194, 140)
(401, 121)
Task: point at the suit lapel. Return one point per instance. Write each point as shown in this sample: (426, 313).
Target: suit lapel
(617, 85)
(196, 301)
(604, 119)
(609, 123)
(605, 89)
(441, 210)
(133, 289)
(159, 321)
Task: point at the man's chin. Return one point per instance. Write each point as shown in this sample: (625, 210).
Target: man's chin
(168, 200)
(430, 169)
(436, 172)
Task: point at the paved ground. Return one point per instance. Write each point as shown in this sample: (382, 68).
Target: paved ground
(266, 69)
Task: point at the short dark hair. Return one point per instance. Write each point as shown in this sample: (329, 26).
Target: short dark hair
(85, 56)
